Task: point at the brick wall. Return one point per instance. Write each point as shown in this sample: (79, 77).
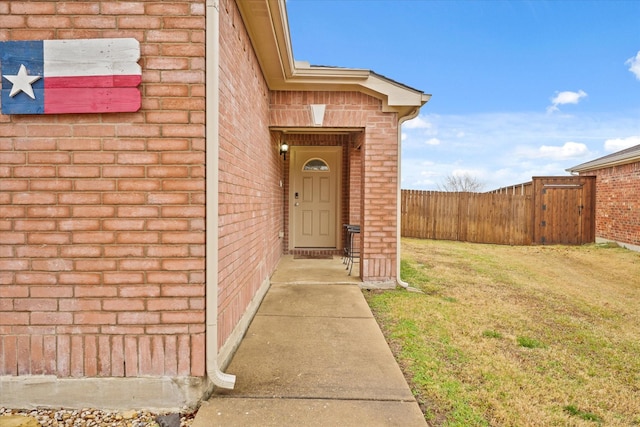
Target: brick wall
(251, 198)
(102, 215)
(618, 203)
(378, 166)
(379, 201)
(355, 179)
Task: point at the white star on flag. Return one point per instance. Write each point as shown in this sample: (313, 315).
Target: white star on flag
(22, 82)
(71, 76)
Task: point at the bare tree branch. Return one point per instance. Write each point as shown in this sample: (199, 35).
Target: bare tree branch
(461, 183)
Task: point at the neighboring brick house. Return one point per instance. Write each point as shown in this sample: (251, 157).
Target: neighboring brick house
(617, 196)
(136, 247)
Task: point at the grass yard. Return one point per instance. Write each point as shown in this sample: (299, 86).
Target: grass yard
(517, 335)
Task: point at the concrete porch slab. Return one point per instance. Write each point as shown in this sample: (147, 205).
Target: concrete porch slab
(307, 412)
(313, 355)
(314, 271)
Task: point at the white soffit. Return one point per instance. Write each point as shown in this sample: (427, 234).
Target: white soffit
(268, 28)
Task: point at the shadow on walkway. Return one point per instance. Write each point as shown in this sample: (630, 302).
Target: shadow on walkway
(313, 356)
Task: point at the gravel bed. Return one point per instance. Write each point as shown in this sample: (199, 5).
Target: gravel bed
(94, 417)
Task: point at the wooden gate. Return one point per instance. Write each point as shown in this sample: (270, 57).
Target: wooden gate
(549, 210)
(564, 210)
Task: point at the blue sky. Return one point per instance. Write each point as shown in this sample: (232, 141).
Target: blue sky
(520, 88)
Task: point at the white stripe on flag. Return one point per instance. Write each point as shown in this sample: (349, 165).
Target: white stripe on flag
(91, 57)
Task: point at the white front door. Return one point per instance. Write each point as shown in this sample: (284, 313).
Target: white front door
(314, 204)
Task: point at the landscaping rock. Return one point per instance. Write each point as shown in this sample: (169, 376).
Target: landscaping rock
(169, 420)
(89, 417)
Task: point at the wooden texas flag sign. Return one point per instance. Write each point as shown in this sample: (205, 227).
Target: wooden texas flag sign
(70, 76)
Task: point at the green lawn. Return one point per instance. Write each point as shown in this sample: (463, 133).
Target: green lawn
(516, 336)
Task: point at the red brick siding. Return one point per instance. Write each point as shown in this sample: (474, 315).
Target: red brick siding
(355, 179)
(251, 169)
(618, 203)
(378, 167)
(102, 216)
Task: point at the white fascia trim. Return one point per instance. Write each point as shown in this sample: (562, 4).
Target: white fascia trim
(394, 95)
(595, 165)
(268, 28)
(303, 71)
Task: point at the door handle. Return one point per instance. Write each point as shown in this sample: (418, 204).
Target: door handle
(297, 204)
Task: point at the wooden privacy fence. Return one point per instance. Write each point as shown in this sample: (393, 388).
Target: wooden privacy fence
(469, 217)
(552, 210)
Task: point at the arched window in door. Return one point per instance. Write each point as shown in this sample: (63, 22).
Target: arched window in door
(316, 165)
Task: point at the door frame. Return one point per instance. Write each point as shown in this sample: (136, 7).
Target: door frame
(294, 151)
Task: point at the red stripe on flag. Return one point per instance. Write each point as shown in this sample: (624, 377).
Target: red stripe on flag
(92, 81)
(91, 100)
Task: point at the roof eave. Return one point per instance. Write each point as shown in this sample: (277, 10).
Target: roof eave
(622, 157)
(595, 165)
(268, 28)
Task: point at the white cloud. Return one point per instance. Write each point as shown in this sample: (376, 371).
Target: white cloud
(476, 173)
(565, 97)
(433, 141)
(634, 65)
(568, 97)
(417, 123)
(617, 144)
(570, 150)
(508, 148)
(428, 173)
(527, 156)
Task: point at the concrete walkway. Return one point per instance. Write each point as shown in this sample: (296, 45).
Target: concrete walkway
(313, 356)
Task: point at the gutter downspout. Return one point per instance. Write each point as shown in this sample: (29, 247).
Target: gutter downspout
(399, 280)
(212, 97)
